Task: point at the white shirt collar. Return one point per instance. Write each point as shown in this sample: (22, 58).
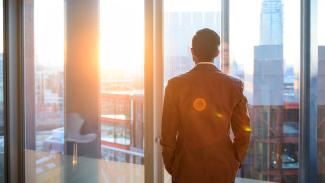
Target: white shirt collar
(204, 63)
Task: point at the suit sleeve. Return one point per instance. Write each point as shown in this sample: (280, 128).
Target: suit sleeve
(240, 124)
(170, 122)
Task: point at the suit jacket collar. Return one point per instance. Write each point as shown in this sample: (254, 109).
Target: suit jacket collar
(205, 67)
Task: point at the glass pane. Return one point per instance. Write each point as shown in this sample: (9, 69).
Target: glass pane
(2, 127)
(182, 19)
(321, 91)
(265, 54)
(44, 89)
(122, 75)
(84, 90)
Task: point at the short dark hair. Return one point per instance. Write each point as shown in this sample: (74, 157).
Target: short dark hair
(204, 44)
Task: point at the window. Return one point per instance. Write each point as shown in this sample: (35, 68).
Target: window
(44, 89)
(84, 73)
(265, 54)
(122, 76)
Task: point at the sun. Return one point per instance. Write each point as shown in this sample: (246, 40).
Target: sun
(121, 34)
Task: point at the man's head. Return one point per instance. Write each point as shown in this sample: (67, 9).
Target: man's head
(205, 45)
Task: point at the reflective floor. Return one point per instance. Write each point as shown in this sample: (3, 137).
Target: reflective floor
(55, 167)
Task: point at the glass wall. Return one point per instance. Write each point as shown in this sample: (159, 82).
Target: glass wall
(84, 76)
(264, 51)
(84, 83)
(321, 91)
(182, 18)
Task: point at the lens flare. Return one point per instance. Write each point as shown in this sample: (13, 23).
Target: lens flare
(247, 129)
(219, 115)
(199, 104)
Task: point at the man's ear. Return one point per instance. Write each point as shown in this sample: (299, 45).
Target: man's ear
(193, 55)
(216, 53)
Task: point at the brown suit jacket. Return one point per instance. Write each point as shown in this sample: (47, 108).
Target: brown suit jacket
(199, 108)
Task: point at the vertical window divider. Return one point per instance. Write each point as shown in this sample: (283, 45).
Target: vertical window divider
(149, 167)
(5, 118)
(308, 93)
(158, 86)
(153, 89)
(13, 90)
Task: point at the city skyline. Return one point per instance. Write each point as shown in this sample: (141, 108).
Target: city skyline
(55, 12)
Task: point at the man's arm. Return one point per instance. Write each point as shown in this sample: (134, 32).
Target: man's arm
(240, 124)
(169, 127)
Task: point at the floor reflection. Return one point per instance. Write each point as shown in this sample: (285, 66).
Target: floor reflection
(54, 167)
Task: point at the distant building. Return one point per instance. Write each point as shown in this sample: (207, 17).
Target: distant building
(271, 27)
(122, 128)
(275, 121)
(49, 98)
(268, 75)
(237, 70)
(290, 90)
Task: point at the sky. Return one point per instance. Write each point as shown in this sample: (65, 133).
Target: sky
(49, 32)
(122, 34)
(191, 5)
(245, 32)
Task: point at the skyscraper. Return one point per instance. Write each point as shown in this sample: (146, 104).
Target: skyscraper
(268, 56)
(271, 27)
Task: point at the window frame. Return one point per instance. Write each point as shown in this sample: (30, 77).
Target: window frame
(13, 91)
(153, 90)
(308, 92)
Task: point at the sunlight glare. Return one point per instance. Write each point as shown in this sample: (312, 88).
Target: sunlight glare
(121, 35)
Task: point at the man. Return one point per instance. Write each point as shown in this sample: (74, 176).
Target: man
(200, 106)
